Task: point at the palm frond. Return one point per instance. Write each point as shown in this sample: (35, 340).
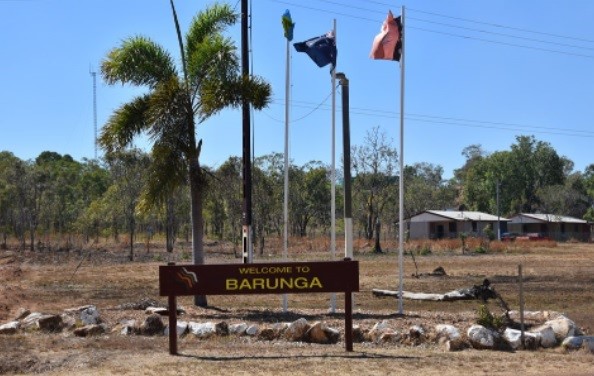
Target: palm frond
(167, 172)
(126, 122)
(215, 56)
(215, 94)
(170, 111)
(207, 23)
(138, 61)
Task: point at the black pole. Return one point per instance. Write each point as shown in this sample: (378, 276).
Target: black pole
(172, 306)
(346, 142)
(247, 166)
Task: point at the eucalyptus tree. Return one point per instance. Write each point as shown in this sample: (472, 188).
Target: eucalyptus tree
(60, 199)
(22, 192)
(589, 186)
(93, 183)
(8, 195)
(227, 198)
(521, 172)
(426, 189)
(268, 184)
(177, 99)
(309, 196)
(128, 178)
(374, 181)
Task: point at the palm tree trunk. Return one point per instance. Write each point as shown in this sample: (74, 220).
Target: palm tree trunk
(170, 225)
(197, 222)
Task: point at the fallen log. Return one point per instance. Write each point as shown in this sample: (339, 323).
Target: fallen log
(483, 292)
(449, 296)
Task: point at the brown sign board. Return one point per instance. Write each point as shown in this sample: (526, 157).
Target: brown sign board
(261, 278)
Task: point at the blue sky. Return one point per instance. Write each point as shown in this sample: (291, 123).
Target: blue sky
(477, 72)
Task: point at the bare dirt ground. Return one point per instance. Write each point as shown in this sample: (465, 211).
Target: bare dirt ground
(556, 278)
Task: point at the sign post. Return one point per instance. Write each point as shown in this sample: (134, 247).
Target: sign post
(261, 278)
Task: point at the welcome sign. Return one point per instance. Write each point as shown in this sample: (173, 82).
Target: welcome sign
(262, 278)
(272, 278)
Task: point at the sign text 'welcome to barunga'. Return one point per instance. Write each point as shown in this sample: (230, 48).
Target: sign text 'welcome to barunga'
(273, 278)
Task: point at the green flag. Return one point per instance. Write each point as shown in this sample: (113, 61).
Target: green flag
(288, 25)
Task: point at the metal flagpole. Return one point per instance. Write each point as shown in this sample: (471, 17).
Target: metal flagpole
(333, 174)
(286, 203)
(401, 180)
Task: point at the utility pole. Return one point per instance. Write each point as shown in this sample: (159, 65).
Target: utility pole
(248, 247)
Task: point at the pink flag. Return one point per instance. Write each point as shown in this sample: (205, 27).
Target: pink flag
(387, 45)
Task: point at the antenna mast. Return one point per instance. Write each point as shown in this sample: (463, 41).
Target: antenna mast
(94, 75)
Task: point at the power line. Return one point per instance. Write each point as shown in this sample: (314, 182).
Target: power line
(504, 43)
(490, 24)
(434, 119)
(467, 37)
(501, 34)
(505, 27)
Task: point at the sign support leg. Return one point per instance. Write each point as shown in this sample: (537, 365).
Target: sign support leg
(172, 324)
(348, 321)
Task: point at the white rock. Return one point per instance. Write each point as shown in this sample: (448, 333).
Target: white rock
(31, 319)
(572, 343)
(202, 330)
(563, 327)
(182, 328)
(481, 337)
(416, 331)
(128, 322)
(514, 338)
(447, 331)
(10, 327)
(158, 310)
(68, 321)
(457, 344)
(535, 316)
(252, 330)
(376, 332)
(238, 329)
(546, 335)
(578, 342)
(389, 335)
(280, 326)
(77, 310)
(90, 315)
(380, 326)
(296, 330)
(319, 332)
(127, 330)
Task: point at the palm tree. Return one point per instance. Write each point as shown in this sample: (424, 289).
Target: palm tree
(176, 101)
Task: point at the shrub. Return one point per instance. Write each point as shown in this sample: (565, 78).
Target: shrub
(480, 249)
(486, 318)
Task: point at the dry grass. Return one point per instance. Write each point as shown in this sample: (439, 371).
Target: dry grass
(556, 277)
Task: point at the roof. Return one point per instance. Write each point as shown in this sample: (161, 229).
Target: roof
(453, 215)
(551, 218)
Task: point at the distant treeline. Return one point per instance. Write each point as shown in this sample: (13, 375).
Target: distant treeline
(49, 201)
